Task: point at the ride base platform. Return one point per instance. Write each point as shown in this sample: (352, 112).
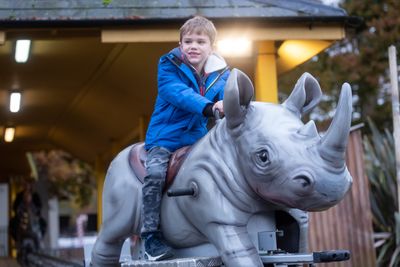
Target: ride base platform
(182, 262)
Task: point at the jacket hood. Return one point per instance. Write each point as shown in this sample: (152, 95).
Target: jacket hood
(214, 62)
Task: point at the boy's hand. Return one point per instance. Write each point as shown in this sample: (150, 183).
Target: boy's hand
(219, 106)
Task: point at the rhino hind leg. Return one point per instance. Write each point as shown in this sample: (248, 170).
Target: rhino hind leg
(121, 212)
(106, 254)
(115, 230)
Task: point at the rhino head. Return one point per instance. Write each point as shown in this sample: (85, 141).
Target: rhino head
(283, 160)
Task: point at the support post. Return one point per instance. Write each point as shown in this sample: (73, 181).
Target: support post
(2, 37)
(394, 81)
(266, 81)
(53, 222)
(100, 174)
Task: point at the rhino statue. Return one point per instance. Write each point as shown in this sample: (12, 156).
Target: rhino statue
(259, 158)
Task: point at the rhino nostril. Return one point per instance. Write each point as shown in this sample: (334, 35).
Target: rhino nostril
(305, 181)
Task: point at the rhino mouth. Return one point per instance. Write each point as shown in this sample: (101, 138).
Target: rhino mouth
(312, 202)
(276, 199)
(322, 206)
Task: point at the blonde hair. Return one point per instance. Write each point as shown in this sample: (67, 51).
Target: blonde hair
(199, 24)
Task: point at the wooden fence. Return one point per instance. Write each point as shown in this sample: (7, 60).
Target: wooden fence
(349, 224)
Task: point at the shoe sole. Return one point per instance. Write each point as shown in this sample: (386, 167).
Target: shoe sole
(163, 256)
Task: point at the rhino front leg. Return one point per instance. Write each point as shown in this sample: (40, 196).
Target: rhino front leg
(302, 219)
(234, 245)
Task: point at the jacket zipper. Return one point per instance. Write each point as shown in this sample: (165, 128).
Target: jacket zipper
(211, 84)
(215, 80)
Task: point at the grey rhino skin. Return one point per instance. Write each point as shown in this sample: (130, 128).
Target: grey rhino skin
(260, 157)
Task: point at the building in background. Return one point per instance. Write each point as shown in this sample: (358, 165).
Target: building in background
(88, 82)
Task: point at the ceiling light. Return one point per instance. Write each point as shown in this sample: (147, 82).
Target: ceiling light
(15, 101)
(22, 50)
(9, 134)
(292, 53)
(234, 47)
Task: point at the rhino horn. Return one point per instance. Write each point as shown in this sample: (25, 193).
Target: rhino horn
(305, 95)
(238, 93)
(309, 130)
(333, 144)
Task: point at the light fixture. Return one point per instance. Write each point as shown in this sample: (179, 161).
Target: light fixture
(292, 53)
(15, 101)
(234, 47)
(22, 50)
(9, 134)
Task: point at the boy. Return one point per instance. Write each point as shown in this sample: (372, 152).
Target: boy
(191, 79)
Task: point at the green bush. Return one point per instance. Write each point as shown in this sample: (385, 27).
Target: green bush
(381, 171)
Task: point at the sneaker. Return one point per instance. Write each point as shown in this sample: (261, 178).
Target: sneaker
(155, 247)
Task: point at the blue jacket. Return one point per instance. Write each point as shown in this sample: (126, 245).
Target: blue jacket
(178, 119)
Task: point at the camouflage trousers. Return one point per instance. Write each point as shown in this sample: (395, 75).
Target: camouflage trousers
(154, 181)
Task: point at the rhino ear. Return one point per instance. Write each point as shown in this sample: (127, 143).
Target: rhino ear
(238, 93)
(305, 95)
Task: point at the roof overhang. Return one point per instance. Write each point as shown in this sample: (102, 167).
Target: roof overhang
(86, 94)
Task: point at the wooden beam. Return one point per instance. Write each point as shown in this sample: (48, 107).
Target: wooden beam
(276, 32)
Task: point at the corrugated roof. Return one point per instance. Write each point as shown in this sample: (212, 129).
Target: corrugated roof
(50, 10)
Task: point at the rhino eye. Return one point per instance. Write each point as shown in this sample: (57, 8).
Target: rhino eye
(263, 157)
